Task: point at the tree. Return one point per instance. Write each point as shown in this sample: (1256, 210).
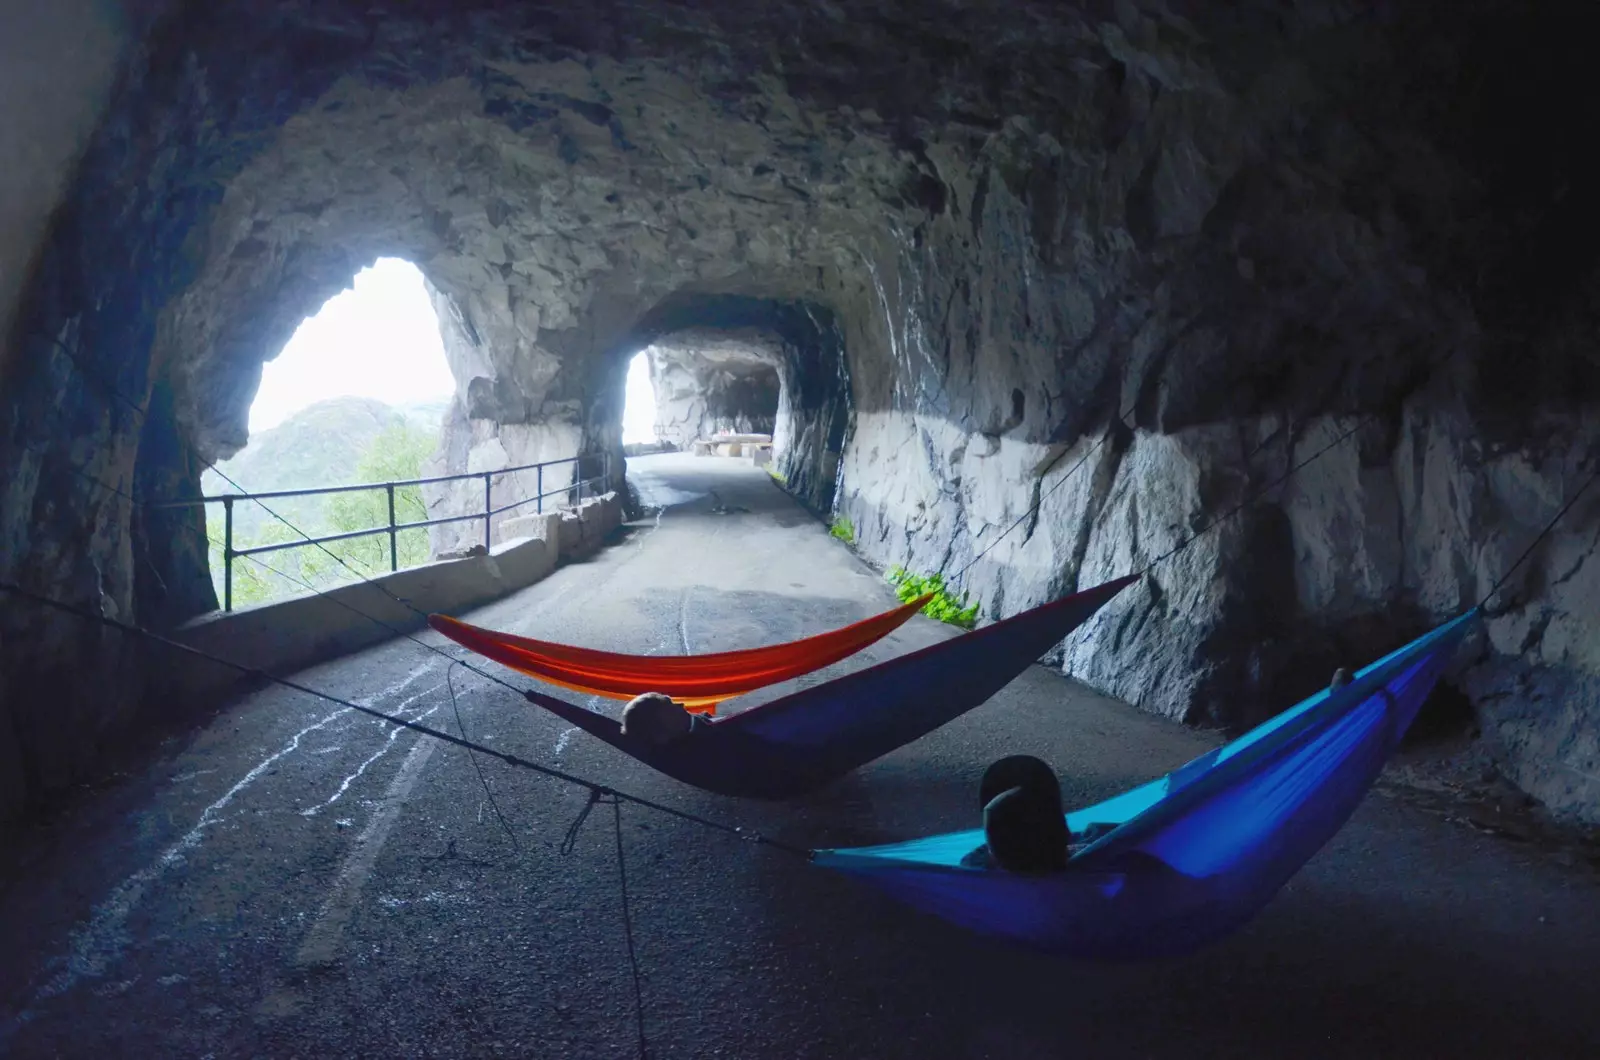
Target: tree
(396, 454)
(253, 582)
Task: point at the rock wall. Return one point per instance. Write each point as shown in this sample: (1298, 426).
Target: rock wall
(58, 63)
(709, 382)
(1198, 281)
(1178, 248)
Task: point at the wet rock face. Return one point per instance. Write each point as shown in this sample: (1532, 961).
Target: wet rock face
(1128, 265)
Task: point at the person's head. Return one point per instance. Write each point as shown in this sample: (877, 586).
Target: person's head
(1032, 775)
(655, 718)
(1022, 819)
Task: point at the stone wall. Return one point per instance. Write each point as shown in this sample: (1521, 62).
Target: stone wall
(1181, 248)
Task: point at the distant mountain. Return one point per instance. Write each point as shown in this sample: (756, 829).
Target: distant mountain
(429, 415)
(318, 446)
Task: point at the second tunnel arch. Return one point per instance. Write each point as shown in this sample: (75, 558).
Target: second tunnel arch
(709, 382)
(804, 346)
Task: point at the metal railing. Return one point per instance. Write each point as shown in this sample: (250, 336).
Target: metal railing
(597, 485)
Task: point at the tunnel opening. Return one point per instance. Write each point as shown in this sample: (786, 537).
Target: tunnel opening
(357, 395)
(710, 385)
(639, 406)
(725, 367)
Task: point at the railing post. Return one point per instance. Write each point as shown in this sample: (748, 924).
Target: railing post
(227, 553)
(394, 544)
(577, 473)
(488, 507)
(538, 504)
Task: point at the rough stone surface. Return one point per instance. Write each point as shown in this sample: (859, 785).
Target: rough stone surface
(1215, 236)
(542, 526)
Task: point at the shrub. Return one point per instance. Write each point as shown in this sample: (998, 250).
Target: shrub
(944, 606)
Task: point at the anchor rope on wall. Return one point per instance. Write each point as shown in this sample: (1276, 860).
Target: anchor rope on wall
(1034, 508)
(600, 792)
(1427, 371)
(365, 579)
(143, 414)
(605, 790)
(1121, 418)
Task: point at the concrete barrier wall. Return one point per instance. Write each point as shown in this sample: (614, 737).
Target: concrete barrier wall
(289, 635)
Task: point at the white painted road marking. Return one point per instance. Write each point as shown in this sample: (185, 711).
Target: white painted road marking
(99, 942)
(388, 745)
(321, 943)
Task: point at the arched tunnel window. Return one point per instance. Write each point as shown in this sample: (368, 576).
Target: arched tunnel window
(357, 395)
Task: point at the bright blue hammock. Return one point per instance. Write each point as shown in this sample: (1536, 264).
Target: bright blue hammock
(1195, 854)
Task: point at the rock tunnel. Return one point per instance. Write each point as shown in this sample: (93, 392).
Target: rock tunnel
(1132, 262)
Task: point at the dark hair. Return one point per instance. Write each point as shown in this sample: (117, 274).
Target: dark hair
(1022, 819)
(1032, 775)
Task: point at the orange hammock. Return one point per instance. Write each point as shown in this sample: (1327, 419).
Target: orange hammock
(699, 682)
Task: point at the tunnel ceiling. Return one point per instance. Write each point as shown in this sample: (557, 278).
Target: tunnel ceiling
(748, 352)
(1125, 260)
(550, 204)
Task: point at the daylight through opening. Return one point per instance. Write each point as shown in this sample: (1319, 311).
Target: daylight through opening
(639, 403)
(357, 395)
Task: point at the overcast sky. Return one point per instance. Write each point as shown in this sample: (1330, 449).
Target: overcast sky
(639, 416)
(379, 340)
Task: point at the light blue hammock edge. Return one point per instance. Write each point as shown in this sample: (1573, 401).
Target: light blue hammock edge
(1193, 854)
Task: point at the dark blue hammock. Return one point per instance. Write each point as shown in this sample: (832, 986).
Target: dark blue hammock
(806, 739)
(1192, 855)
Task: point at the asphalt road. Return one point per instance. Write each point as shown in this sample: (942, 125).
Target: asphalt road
(297, 879)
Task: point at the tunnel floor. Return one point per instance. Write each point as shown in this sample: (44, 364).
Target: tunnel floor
(298, 879)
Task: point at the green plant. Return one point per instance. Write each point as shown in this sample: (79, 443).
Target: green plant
(396, 453)
(253, 582)
(945, 606)
(843, 529)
